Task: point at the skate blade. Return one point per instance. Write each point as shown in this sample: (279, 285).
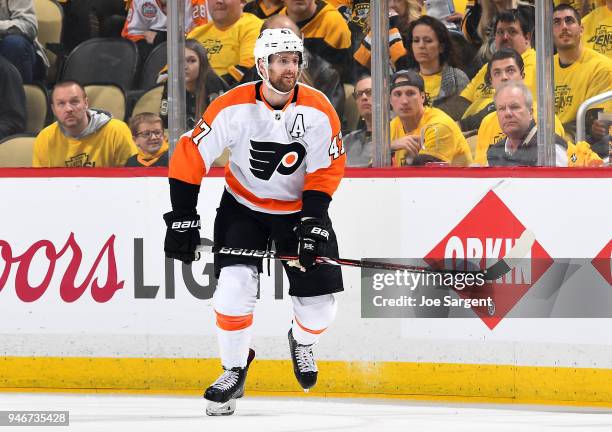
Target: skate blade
(221, 408)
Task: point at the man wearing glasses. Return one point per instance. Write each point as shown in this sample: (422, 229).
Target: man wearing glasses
(148, 134)
(358, 144)
(81, 137)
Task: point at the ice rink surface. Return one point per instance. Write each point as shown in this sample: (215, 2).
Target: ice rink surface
(117, 413)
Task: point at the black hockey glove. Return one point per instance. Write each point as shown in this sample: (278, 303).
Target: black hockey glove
(312, 235)
(182, 235)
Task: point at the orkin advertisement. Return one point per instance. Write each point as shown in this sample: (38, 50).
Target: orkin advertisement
(84, 256)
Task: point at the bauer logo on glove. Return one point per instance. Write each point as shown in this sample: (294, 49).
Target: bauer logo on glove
(185, 225)
(320, 231)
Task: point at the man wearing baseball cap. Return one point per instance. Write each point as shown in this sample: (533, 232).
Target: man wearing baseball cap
(422, 134)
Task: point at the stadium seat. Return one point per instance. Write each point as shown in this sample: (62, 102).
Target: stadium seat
(149, 101)
(16, 151)
(107, 97)
(154, 63)
(50, 17)
(37, 107)
(103, 61)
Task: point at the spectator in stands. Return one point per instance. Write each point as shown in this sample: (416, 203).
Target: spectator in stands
(146, 22)
(422, 134)
(431, 51)
(358, 144)
(580, 73)
(479, 23)
(84, 19)
(229, 39)
(583, 7)
(506, 65)
(325, 32)
(598, 30)
(81, 137)
(18, 42)
(401, 14)
(110, 16)
(202, 84)
(148, 134)
(512, 30)
(514, 105)
(12, 108)
(76, 22)
(264, 8)
(357, 18)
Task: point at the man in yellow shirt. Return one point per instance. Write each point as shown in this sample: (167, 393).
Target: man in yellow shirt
(580, 73)
(229, 39)
(514, 105)
(81, 137)
(512, 30)
(598, 30)
(422, 134)
(505, 65)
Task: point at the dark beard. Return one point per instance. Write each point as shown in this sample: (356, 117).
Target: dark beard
(281, 86)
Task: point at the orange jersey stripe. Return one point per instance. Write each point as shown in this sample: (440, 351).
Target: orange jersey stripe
(309, 330)
(233, 323)
(239, 95)
(266, 203)
(186, 163)
(324, 179)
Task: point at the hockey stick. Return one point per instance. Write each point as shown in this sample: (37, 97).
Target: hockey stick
(520, 249)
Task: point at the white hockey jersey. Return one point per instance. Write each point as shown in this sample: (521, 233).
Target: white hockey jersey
(275, 155)
(150, 15)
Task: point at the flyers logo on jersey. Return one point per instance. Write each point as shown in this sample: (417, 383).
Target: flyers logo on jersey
(270, 157)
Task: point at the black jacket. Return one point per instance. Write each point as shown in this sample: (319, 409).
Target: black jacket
(13, 107)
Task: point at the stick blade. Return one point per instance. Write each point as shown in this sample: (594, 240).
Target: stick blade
(522, 246)
(520, 249)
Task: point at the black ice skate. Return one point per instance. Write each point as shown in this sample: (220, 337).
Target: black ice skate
(222, 394)
(304, 366)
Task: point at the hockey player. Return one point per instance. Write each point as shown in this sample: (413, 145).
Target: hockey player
(286, 162)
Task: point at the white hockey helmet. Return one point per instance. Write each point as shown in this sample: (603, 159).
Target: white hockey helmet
(275, 41)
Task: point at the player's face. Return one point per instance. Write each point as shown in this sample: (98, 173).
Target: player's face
(504, 70)
(425, 44)
(407, 101)
(566, 30)
(512, 111)
(149, 137)
(192, 66)
(284, 69)
(510, 35)
(363, 96)
(70, 106)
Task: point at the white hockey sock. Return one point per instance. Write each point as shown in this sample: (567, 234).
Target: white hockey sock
(312, 316)
(234, 346)
(234, 303)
